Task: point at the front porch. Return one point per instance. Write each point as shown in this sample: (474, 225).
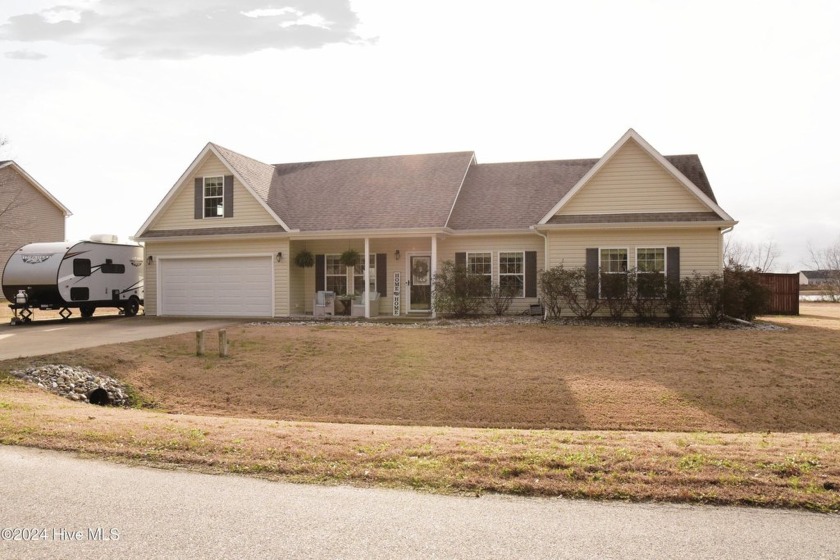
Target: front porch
(399, 270)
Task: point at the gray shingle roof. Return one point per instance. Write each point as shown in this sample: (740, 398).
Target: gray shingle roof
(257, 174)
(419, 191)
(820, 274)
(514, 195)
(371, 193)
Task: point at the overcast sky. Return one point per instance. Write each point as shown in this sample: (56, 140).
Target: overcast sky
(106, 102)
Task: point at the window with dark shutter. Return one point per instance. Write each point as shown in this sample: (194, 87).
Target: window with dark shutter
(530, 274)
(320, 271)
(199, 198)
(592, 273)
(228, 196)
(672, 263)
(382, 274)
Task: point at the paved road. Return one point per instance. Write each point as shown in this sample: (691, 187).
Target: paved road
(47, 337)
(171, 514)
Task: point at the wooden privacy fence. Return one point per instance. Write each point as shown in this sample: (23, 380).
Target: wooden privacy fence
(784, 289)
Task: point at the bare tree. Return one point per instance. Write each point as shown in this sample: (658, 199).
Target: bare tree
(760, 256)
(827, 260)
(12, 195)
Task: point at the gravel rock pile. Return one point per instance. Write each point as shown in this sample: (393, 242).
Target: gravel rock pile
(77, 384)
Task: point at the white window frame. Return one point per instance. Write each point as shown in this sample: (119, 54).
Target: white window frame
(492, 268)
(664, 270)
(221, 206)
(521, 274)
(601, 268)
(327, 275)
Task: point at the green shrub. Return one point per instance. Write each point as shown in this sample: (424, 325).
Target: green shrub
(615, 290)
(744, 296)
(647, 294)
(551, 290)
(457, 292)
(560, 285)
(678, 298)
(707, 297)
(500, 298)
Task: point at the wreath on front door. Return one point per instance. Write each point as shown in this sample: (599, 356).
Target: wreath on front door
(420, 270)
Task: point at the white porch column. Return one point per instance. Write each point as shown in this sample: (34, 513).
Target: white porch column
(365, 294)
(432, 275)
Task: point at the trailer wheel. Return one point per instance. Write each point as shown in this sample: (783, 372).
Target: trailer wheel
(131, 307)
(87, 310)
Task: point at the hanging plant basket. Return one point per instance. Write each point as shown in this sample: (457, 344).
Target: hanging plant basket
(349, 257)
(304, 259)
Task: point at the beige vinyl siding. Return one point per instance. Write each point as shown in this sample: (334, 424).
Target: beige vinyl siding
(180, 212)
(495, 245)
(33, 219)
(632, 181)
(221, 248)
(700, 249)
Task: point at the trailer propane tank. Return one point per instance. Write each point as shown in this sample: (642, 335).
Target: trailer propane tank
(21, 298)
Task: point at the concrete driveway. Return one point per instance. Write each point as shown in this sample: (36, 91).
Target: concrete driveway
(48, 337)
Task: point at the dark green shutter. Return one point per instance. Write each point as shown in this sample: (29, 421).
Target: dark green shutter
(673, 263)
(199, 198)
(592, 273)
(382, 274)
(530, 274)
(320, 271)
(461, 259)
(228, 196)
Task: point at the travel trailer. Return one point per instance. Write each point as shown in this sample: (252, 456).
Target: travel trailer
(83, 275)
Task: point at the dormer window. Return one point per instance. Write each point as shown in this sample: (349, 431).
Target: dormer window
(214, 199)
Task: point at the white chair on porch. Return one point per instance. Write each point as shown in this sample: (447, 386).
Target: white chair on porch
(358, 307)
(324, 304)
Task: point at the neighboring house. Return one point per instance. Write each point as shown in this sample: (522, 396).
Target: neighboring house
(817, 277)
(223, 240)
(28, 212)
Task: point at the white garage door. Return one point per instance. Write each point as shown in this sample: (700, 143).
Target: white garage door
(216, 287)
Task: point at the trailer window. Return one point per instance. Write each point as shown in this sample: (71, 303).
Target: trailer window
(110, 268)
(81, 267)
(79, 294)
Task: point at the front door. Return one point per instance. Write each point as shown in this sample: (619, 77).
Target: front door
(420, 279)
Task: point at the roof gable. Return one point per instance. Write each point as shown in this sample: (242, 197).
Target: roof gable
(9, 164)
(250, 173)
(689, 197)
(517, 195)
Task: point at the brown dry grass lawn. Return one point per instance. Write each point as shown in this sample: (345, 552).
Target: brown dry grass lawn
(697, 414)
(509, 376)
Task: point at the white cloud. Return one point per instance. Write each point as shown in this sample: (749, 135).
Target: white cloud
(25, 55)
(180, 29)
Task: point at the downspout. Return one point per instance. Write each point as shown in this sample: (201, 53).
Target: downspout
(722, 233)
(545, 261)
(545, 245)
